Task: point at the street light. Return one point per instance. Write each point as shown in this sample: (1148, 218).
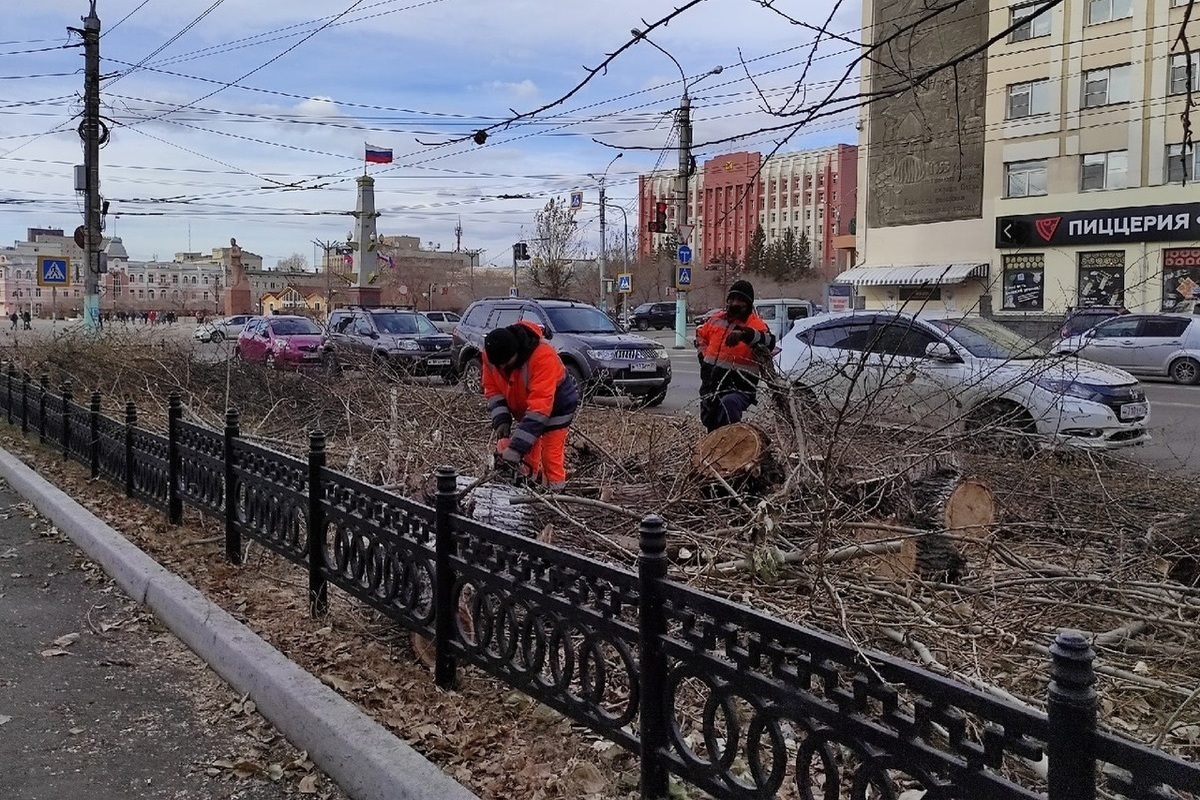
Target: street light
(685, 168)
(624, 217)
(603, 241)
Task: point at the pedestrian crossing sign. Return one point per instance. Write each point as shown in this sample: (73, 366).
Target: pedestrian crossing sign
(54, 271)
(625, 282)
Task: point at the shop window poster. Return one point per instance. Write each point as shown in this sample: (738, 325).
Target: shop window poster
(1102, 279)
(1181, 278)
(1024, 284)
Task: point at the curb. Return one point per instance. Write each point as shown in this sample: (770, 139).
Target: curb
(362, 757)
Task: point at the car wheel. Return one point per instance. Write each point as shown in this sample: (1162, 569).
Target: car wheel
(1001, 427)
(642, 325)
(472, 376)
(269, 362)
(581, 386)
(1185, 371)
(216, 337)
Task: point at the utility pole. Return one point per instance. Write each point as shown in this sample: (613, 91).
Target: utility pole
(603, 247)
(681, 209)
(90, 133)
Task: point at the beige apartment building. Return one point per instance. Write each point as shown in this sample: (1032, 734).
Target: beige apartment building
(1050, 174)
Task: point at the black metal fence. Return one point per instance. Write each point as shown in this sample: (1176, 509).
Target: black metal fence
(732, 701)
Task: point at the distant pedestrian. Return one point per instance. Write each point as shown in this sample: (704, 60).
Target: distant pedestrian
(13, 316)
(731, 345)
(28, 321)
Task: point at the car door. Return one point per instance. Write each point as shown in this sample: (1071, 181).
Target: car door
(832, 365)
(251, 341)
(1158, 339)
(896, 348)
(1113, 341)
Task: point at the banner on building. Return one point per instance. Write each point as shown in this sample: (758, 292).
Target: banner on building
(1177, 222)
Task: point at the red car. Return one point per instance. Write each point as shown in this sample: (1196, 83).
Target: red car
(281, 341)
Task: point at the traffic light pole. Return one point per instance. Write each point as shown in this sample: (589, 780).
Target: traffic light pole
(681, 209)
(90, 133)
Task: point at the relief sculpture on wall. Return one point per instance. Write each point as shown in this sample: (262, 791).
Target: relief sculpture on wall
(926, 146)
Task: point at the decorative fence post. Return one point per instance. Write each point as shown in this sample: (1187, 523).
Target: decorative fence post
(446, 504)
(318, 589)
(130, 424)
(94, 444)
(1071, 709)
(44, 384)
(12, 375)
(67, 397)
(24, 402)
(652, 627)
(174, 460)
(233, 537)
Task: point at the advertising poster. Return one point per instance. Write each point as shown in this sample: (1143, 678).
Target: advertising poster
(1181, 278)
(1024, 289)
(1102, 279)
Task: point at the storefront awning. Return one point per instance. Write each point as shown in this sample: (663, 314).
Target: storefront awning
(912, 275)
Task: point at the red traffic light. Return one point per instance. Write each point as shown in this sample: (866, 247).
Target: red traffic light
(660, 207)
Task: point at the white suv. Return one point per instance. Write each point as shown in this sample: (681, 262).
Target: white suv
(952, 372)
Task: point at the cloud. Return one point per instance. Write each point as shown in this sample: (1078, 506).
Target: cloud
(521, 90)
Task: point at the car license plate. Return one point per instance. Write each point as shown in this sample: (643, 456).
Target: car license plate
(1134, 410)
(643, 367)
(312, 355)
(439, 362)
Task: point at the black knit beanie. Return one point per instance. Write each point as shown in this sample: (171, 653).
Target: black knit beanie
(742, 289)
(500, 345)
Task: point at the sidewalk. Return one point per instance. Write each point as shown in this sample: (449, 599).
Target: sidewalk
(98, 699)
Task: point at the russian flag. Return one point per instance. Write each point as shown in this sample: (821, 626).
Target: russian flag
(378, 155)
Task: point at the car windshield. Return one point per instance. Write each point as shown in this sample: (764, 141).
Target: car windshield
(294, 327)
(986, 339)
(404, 324)
(580, 319)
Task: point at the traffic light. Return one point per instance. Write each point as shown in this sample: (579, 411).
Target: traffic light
(659, 223)
(521, 251)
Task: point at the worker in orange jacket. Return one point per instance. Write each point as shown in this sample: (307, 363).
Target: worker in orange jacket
(525, 381)
(730, 345)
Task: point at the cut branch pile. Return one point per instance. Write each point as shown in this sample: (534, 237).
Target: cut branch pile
(966, 562)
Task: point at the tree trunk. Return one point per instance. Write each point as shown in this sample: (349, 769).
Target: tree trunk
(944, 502)
(738, 454)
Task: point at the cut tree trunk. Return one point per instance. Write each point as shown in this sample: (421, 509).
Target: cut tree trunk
(738, 454)
(940, 502)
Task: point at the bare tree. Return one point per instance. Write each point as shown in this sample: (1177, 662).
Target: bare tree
(293, 263)
(555, 247)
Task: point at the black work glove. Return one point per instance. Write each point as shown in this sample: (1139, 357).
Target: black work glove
(739, 335)
(504, 430)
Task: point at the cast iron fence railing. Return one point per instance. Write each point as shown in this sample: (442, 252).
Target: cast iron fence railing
(729, 700)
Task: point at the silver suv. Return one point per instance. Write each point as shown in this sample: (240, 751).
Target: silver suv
(600, 357)
(395, 337)
(1143, 344)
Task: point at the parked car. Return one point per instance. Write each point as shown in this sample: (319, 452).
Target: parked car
(781, 313)
(281, 341)
(599, 356)
(653, 315)
(954, 372)
(444, 321)
(1143, 344)
(399, 338)
(217, 330)
(700, 319)
(1087, 317)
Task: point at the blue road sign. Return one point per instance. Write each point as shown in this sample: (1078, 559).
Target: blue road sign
(685, 254)
(512, 291)
(683, 277)
(54, 271)
(625, 282)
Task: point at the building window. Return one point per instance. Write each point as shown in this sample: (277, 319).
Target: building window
(206, 280)
(175, 279)
(1181, 65)
(1102, 278)
(1104, 171)
(1102, 87)
(1182, 165)
(1181, 277)
(1025, 179)
(1024, 286)
(1030, 27)
(1028, 99)
(206, 295)
(37, 292)
(1106, 10)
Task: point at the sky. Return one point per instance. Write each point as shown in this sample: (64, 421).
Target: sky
(248, 119)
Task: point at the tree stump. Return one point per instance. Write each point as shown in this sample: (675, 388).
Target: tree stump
(940, 502)
(738, 454)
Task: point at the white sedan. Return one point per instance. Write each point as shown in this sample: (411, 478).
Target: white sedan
(953, 372)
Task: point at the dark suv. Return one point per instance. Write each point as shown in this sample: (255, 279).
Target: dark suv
(600, 357)
(396, 337)
(653, 315)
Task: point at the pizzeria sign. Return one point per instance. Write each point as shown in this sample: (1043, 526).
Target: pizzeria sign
(1178, 222)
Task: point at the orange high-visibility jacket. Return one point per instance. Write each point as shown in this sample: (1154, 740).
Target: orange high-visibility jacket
(731, 368)
(539, 394)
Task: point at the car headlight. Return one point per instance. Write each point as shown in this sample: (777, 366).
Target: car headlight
(280, 344)
(1070, 389)
(407, 344)
(601, 355)
(658, 352)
